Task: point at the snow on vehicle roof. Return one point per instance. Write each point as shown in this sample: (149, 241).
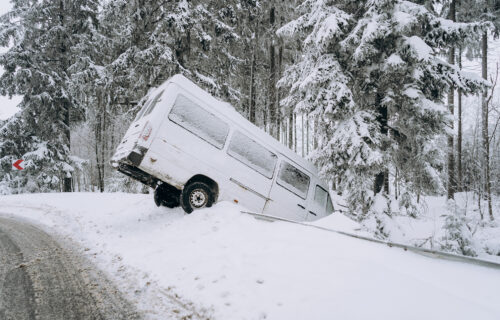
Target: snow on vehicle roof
(227, 111)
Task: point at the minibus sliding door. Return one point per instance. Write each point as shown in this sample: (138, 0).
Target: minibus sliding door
(289, 193)
(250, 167)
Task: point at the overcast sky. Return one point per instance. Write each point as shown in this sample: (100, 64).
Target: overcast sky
(7, 106)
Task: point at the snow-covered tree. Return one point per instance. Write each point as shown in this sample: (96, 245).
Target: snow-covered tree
(44, 37)
(457, 236)
(373, 77)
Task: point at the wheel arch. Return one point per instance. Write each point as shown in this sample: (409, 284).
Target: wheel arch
(208, 181)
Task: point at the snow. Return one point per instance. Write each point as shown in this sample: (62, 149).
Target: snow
(430, 105)
(339, 222)
(207, 80)
(412, 93)
(394, 60)
(222, 264)
(421, 49)
(39, 153)
(427, 230)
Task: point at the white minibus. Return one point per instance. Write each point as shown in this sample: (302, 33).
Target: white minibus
(195, 150)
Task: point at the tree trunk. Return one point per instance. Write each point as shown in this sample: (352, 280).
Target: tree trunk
(66, 187)
(99, 146)
(103, 146)
(67, 180)
(272, 92)
(279, 72)
(451, 101)
(307, 135)
(315, 135)
(382, 178)
(396, 183)
(265, 112)
(273, 120)
(290, 130)
(459, 137)
(485, 134)
(303, 136)
(295, 132)
(251, 105)
(97, 154)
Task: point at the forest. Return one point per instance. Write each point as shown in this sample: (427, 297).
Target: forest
(381, 95)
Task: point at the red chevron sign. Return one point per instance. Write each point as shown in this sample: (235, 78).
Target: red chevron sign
(17, 164)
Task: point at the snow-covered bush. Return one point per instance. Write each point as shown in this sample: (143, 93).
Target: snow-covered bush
(407, 204)
(457, 237)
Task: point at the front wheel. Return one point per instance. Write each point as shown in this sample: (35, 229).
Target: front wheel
(196, 195)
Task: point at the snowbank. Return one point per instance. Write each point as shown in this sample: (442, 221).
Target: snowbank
(427, 229)
(227, 265)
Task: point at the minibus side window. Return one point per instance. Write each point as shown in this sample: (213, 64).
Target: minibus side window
(152, 105)
(329, 205)
(293, 179)
(320, 196)
(199, 121)
(251, 153)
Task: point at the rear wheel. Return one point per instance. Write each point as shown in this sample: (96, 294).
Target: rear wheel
(167, 195)
(196, 195)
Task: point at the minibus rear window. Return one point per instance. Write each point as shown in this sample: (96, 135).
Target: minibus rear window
(199, 121)
(252, 154)
(293, 179)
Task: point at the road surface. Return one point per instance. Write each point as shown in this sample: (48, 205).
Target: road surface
(41, 280)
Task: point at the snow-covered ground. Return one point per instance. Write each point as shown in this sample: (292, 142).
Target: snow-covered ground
(428, 228)
(218, 263)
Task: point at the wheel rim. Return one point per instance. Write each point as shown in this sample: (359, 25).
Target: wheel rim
(198, 198)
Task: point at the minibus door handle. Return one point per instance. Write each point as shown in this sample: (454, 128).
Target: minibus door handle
(301, 206)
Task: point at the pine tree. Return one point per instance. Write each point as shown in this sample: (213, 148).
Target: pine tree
(452, 182)
(457, 236)
(45, 37)
(373, 77)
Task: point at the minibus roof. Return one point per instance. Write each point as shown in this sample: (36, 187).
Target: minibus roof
(228, 111)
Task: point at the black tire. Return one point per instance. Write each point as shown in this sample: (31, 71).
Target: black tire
(167, 195)
(196, 195)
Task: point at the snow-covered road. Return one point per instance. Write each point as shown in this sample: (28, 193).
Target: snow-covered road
(39, 279)
(218, 263)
